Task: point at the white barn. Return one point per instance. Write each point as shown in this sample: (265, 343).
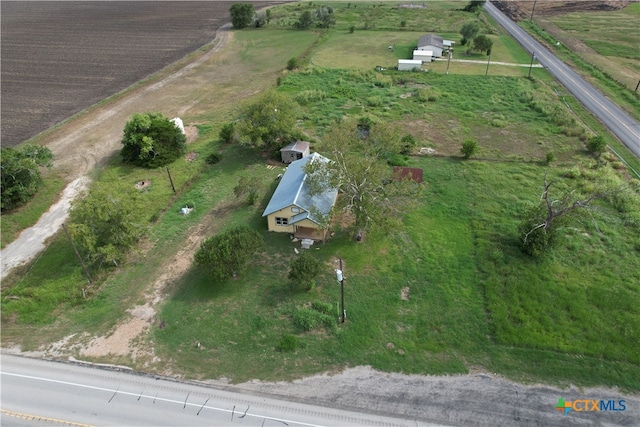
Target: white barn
(409, 64)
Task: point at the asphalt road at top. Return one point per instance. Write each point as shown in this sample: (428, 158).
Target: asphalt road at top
(619, 123)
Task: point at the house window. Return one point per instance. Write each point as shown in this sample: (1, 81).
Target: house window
(295, 210)
(282, 221)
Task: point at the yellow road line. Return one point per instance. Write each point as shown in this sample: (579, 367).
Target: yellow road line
(39, 418)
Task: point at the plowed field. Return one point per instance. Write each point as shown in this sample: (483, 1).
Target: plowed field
(59, 58)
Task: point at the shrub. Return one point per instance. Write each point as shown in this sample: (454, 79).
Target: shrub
(241, 14)
(408, 143)
(596, 145)
(226, 254)
(212, 159)
(398, 160)
(304, 270)
(228, 133)
(20, 173)
(292, 63)
(374, 101)
(308, 319)
(151, 140)
(469, 148)
(323, 307)
(306, 97)
(288, 343)
(550, 157)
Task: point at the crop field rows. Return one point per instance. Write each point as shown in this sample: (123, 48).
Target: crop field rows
(59, 58)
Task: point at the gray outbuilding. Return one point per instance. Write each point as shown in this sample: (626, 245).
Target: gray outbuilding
(294, 151)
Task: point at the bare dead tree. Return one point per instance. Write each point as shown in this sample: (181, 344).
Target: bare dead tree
(556, 208)
(540, 227)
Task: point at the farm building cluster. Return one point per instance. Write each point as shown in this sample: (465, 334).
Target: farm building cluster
(429, 48)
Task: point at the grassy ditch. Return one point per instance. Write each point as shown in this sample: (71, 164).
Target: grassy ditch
(599, 68)
(447, 292)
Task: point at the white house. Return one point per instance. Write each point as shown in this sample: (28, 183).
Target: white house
(423, 55)
(409, 64)
(435, 44)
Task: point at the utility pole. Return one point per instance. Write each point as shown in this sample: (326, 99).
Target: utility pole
(171, 181)
(340, 278)
(488, 60)
(449, 59)
(533, 57)
(532, 10)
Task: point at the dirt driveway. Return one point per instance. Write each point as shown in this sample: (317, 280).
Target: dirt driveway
(84, 143)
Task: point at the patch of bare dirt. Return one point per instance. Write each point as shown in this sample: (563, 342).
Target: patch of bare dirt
(191, 133)
(127, 339)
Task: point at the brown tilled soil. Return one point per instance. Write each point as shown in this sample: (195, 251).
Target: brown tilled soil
(59, 58)
(520, 10)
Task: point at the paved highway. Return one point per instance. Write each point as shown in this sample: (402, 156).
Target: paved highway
(37, 391)
(619, 123)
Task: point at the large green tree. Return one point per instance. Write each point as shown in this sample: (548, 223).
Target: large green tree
(241, 14)
(482, 43)
(106, 224)
(359, 168)
(305, 20)
(269, 122)
(152, 140)
(474, 6)
(226, 254)
(469, 31)
(20, 173)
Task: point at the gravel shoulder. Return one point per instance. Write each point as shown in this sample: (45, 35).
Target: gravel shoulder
(479, 399)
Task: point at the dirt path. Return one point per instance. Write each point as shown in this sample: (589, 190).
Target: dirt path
(89, 140)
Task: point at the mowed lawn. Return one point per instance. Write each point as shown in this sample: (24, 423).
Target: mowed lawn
(368, 49)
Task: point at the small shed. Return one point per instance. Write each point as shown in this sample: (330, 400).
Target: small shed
(409, 64)
(294, 151)
(412, 174)
(423, 55)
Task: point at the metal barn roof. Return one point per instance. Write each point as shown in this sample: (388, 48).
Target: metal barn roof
(292, 191)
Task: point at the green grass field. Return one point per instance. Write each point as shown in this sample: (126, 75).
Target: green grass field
(448, 292)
